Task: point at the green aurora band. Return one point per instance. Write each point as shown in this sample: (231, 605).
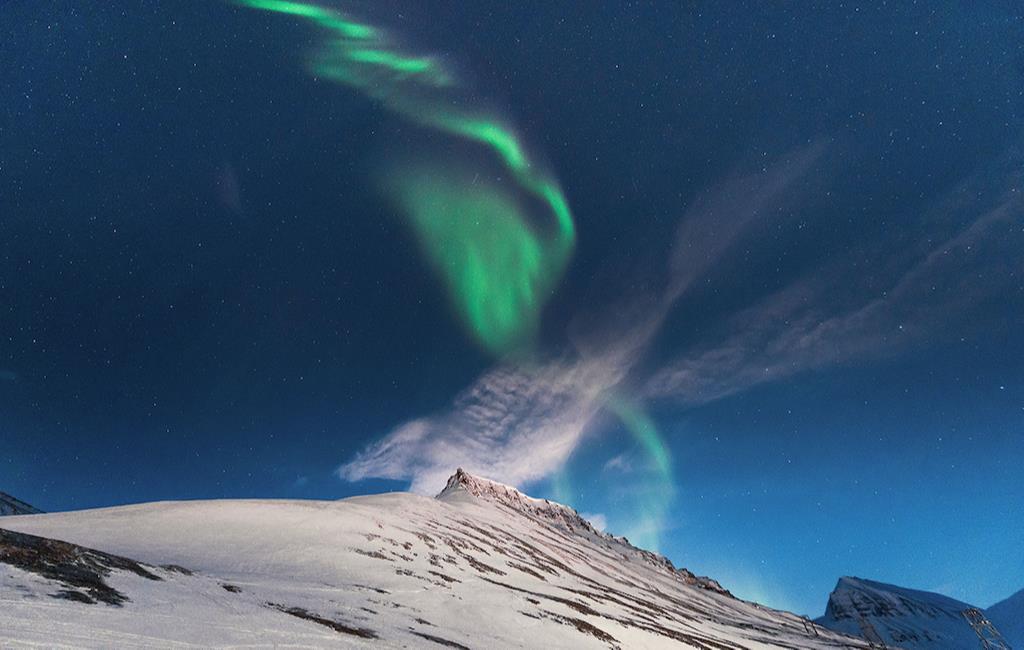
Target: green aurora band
(498, 267)
(474, 236)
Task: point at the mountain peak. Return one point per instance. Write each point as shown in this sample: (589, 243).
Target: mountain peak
(475, 485)
(11, 506)
(462, 484)
(1008, 617)
(869, 593)
(894, 615)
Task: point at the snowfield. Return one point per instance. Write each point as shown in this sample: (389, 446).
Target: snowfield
(480, 566)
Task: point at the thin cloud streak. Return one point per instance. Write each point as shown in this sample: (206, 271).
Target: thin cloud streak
(785, 334)
(515, 424)
(519, 424)
(722, 216)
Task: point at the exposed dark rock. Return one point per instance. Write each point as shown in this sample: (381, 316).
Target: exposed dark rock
(446, 578)
(11, 506)
(337, 626)
(80, 570)
(438, 640)
(584, 627)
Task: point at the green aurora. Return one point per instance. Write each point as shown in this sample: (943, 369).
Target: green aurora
(499, 267)
(657, 492)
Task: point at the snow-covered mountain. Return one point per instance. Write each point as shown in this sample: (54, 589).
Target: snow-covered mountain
(480, 566)
(1008, 616)
(897, 616)
(11, 506)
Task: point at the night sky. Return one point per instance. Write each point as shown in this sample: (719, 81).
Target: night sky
(777, 334)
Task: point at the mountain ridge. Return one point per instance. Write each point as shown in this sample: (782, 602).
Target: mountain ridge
(388, 570)
(909, 618)
(563, 516)
(1008, 617)
(10, 505)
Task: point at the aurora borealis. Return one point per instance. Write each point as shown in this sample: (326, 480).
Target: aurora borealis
(740, 282)
(497, 267)
(479, 243)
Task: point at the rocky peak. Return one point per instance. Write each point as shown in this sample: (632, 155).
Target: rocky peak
(897, 616)
(506, 495)
(854, 597)
(563, 517)
(11, 506)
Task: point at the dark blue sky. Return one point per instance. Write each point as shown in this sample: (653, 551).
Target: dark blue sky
(799, 254)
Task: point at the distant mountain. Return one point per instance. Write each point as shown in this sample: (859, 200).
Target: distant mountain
(482, 565)
(901, 617)
(1008, 616)
(11, 506)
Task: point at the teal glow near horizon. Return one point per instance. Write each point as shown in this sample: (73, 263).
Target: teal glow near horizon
(656, 487)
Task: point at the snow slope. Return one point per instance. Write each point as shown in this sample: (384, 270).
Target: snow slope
(1008, 617)
(481, 566)
(907, 618)
(54, 594)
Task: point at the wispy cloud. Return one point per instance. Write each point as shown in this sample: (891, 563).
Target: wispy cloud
(518, 423)
(619, 463)
(515, 424)
(790, 331)
(725, 213)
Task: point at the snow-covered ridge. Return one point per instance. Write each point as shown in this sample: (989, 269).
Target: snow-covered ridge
(11, 506)
(853, 596)
(564, 517)
(1008, 617)
(549, 511)
(898, 616)
(391, 570)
